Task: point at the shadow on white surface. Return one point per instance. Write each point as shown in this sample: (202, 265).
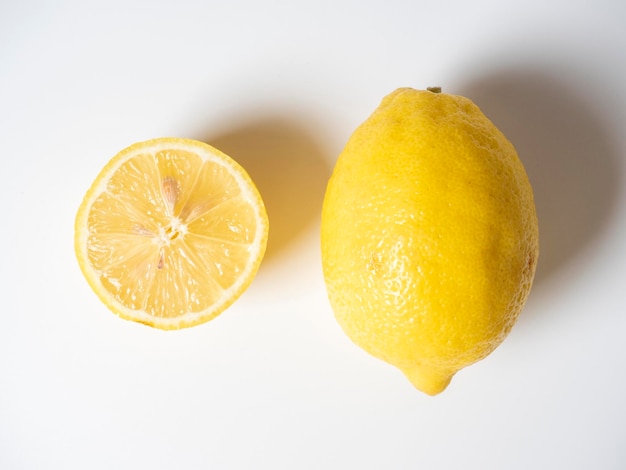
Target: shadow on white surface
(564, 141)
(289, 168)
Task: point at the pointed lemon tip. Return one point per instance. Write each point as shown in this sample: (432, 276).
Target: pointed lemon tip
(428, 380)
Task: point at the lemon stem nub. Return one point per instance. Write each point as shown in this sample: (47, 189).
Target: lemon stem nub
(428, 380)
(434, 89)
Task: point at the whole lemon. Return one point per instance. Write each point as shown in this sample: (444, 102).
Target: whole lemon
(429, 235)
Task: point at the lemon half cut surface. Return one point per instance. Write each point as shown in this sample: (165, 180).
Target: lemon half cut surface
(171, 233)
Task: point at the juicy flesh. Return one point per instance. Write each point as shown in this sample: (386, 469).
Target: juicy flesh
(170, 233)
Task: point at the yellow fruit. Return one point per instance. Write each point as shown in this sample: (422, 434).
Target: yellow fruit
(171, 232)
(429, 236)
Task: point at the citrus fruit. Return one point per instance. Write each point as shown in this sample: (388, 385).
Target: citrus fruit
(429, 235)
(170, 233)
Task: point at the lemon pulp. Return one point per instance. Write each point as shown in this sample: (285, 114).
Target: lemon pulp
(171, 232)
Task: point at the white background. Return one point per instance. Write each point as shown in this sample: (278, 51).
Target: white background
(273, 383)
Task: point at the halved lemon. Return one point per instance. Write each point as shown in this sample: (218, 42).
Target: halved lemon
(171, 233)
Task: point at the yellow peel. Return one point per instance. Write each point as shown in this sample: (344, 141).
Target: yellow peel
(429, 235)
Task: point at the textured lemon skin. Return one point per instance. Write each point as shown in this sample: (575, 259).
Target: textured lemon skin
(429, 236)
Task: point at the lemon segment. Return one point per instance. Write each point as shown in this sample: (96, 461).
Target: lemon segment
(171, 232)
(429, 235)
